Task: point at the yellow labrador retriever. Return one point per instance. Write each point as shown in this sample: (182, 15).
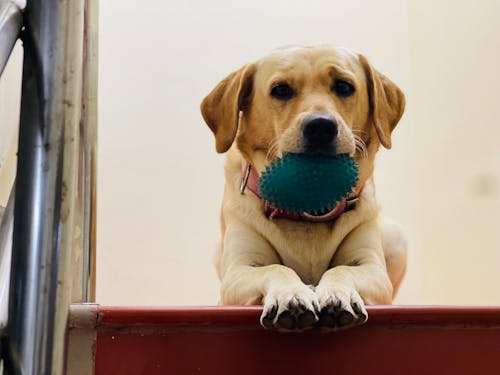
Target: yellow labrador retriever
(307, 271)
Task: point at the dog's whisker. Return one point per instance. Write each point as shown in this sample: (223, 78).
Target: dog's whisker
(360, 146)
(271, 152)
(359, 142)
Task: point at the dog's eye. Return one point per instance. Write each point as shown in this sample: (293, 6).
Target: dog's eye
(342, 88)
(282, 91)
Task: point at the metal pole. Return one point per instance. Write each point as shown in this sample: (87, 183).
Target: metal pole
(6, 224)
(89, 147)
(46, 187)
(10, 24)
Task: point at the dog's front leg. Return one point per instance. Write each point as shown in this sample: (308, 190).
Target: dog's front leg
(358, 275)
(252, 274)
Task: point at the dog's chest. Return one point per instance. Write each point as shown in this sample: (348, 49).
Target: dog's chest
(306, 249)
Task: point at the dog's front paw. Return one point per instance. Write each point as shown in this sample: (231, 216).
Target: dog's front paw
(290, 311)
(340, 309)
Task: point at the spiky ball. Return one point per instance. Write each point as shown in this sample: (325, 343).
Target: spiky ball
(308, 183)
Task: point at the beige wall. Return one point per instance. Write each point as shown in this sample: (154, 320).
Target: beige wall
(160, 181)
(455, 60)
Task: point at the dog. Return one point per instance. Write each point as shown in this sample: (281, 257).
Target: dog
(309, 270)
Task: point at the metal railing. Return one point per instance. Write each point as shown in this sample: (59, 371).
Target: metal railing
(10, 25)
(53, 236)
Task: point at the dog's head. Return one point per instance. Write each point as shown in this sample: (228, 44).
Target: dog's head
(305, 100)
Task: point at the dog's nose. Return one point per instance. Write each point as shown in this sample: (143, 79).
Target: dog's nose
(319, 131)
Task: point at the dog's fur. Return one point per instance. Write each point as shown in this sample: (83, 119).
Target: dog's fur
(305, 274)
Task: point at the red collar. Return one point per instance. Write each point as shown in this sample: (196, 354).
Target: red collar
(250, 180)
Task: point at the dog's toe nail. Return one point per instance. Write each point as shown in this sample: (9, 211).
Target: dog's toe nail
(344, 318)
(329, 301)
(294, 304)
(362, 317)
(306, 319)
(301, 304)
(356, 307)
(326, 319)
(268, 317)
(286, 320)
(359, 312)
(267, 322)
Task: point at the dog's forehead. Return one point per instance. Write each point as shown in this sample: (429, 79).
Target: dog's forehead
(308, 59)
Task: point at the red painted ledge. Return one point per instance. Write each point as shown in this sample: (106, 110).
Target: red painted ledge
(229, 340)
(112, 316)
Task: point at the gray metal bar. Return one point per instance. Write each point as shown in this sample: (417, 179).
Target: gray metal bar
(10, 24)
(6, 226)
(46, 187)
(89, 147)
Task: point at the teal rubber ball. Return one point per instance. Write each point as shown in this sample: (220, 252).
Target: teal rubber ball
(308, 183)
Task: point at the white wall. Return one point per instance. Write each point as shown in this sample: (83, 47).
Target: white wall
(160, 181)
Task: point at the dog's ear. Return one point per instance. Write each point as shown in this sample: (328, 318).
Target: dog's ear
(387, 102)
(221, 107)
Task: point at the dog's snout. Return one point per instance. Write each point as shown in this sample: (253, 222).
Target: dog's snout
(319, 132)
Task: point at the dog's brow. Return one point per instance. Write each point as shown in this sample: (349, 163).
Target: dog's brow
(281, 78)
(335, 70)
(278, 78)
